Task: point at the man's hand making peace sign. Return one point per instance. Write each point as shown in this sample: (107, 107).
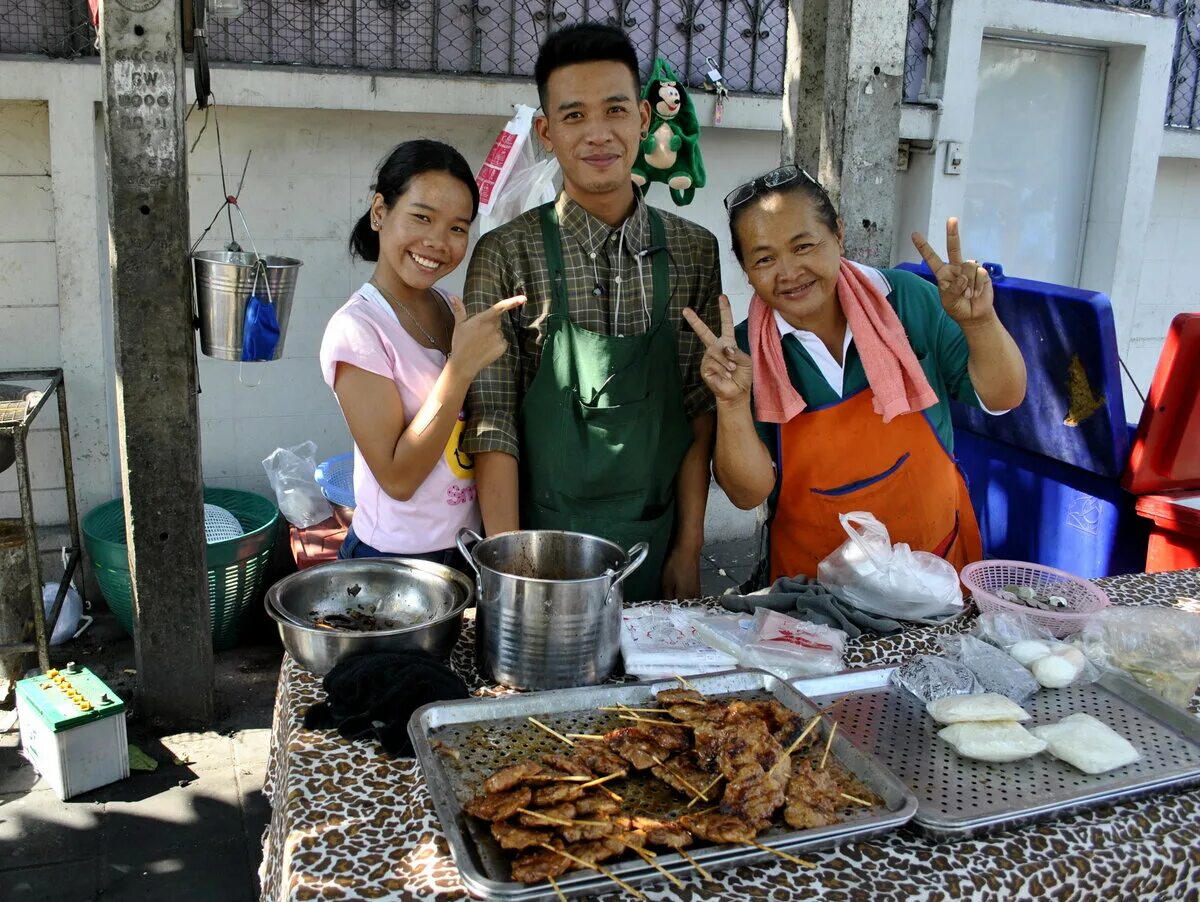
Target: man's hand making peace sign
(725, 369)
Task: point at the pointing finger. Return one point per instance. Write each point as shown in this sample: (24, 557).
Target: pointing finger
(507, 304)
(726, 317)
(928, 254)
(953, 243)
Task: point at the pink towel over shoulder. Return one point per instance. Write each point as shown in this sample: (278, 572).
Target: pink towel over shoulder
(892, 369)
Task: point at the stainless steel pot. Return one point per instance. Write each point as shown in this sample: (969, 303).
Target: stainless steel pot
(548, 608)
(424, 599)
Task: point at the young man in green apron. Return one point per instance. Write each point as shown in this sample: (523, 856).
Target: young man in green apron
(597, 419)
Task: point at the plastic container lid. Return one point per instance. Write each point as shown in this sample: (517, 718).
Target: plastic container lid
(1166, 449)
(1180, 513)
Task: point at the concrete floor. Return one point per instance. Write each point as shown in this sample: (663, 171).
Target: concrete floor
(192, 829)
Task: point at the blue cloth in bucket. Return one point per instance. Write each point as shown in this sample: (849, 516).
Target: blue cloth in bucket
(260, 331)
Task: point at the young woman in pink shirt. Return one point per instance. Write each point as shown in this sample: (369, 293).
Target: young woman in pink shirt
(401, 353)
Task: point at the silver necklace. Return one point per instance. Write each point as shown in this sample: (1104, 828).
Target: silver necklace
(411, 317)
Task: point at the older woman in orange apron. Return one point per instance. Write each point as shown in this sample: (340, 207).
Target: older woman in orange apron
(834, 395)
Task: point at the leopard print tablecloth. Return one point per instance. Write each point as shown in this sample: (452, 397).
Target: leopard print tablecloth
(350, 824)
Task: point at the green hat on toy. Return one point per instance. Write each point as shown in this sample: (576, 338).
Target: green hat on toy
(670, 152)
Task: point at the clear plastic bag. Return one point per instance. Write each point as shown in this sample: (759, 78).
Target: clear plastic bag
(291, 472)
(1004, 629)
(874, 575)
(1028, 643)
(929, 677)
(1159, 647)
(993, 668)
(803, 648)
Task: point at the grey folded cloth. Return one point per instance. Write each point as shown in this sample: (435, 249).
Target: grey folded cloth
(806, 599)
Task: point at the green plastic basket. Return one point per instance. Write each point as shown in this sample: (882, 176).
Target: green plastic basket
(235, 566)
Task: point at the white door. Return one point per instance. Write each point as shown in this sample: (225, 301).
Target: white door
(1029, 163)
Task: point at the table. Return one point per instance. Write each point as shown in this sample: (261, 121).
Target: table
(348, 823)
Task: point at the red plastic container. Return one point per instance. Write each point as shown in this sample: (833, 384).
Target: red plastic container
(1175, 535)
(317, 544)
(1165, 456)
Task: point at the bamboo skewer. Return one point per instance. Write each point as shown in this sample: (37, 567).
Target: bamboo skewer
(649, 857)
(799, 739)
(561, 821)
(685, 683)
(585, 736)
(557, 735)
(592, 866)
(558, 892)
(556, 778)
(694, 863)
(627, 708)
(784, 855)
(678, 776)
(717, 780)
(665, 723)
(828, 743)
(856, 800)
(605, 779)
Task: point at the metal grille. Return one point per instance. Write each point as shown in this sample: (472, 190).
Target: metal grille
(55, 28)
(501, 38)
(918, 49)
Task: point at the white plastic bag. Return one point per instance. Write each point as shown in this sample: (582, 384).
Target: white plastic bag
(68, 616)
(890, 580)
(291, 472)
(527, 182)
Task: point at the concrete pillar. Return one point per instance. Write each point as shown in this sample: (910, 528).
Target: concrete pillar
(15, 613)
(142, 71)
(843, 84)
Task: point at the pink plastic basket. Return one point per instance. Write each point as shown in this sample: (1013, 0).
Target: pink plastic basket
(985, 578)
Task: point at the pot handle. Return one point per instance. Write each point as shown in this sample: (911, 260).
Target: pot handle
(467, 533)
(637, 556)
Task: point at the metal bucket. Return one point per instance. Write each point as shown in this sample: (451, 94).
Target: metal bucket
(223, 282)
(548, 609)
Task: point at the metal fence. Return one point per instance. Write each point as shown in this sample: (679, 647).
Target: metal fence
(500, 37)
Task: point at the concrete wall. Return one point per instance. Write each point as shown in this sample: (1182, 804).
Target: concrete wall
(1167, 285)
(29, 314)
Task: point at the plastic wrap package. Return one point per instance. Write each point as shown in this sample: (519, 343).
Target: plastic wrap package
(1053, 664)
(774, 642)
(1005, 629)
(874, 575)
(661, 640)
(1159, 647)
(929, 678)
(995, 670)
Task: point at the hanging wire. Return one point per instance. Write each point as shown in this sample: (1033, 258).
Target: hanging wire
(1132, 381)
(200, 51)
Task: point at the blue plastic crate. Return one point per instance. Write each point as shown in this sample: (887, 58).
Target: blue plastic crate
(336, 479)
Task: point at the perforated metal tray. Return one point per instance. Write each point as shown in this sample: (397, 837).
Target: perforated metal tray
(488, 733)
(960, 798)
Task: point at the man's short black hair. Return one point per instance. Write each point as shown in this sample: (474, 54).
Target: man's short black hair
(585, 42)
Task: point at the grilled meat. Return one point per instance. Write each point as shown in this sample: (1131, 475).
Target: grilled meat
(748, 742)
(536, 865)
(581, 832)
(720, 827)
(597, 806)
(511, 836)
(499, 806)
(508, 777)
(597, 850)
(813, 797)
(680, 696)
(599, 757)
(571, 765)
(666, 834)
(755, 795)
(679, 772)
(555, 793)
(644, 746)
(563, 812)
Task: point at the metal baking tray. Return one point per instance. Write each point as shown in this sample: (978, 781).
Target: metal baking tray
(487, 733)
(960, 798)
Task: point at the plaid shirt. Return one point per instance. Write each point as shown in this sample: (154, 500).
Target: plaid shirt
(511, 260)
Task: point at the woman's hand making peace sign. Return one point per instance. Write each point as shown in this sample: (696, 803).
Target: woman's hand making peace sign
(725, 369)
(965, 286)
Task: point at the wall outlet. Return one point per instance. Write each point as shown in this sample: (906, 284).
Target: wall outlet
(956, 157)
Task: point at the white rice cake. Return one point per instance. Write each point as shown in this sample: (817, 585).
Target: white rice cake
(1088, 744)
(981, 706)
(996, 741)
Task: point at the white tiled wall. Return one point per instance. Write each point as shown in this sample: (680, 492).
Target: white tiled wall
(308, 181)
(29, 324)
(1168, 284)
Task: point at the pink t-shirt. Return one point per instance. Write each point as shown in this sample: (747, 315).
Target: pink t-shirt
(366, 333)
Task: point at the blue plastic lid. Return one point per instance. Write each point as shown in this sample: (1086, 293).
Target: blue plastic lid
(1074, 410)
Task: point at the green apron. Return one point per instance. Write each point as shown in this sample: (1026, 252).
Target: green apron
(603, 431)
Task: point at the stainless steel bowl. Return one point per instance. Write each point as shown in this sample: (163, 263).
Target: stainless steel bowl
(426, 602)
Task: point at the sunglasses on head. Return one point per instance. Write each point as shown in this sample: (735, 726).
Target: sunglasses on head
(776, 178)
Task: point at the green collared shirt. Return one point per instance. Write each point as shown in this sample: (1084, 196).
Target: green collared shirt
(511, 260)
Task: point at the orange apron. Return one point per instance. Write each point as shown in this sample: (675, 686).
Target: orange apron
(843, 458)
